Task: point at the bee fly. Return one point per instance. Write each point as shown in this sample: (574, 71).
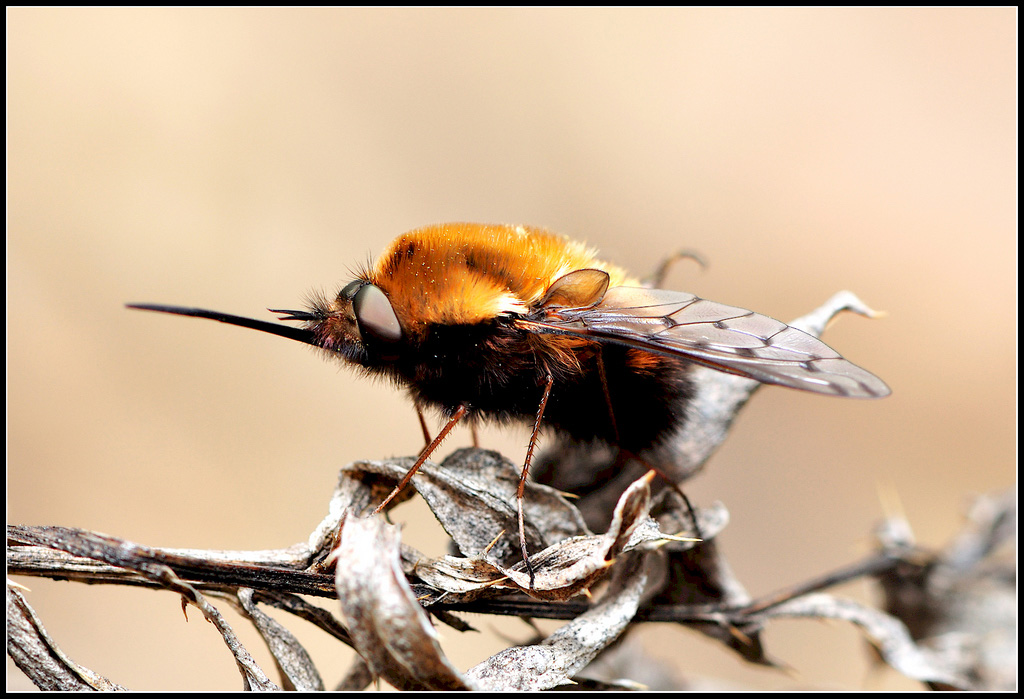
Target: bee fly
(516, 324)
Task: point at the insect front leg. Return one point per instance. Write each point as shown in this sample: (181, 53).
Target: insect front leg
(460, 413)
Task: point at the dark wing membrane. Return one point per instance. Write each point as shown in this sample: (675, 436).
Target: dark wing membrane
(725, 338)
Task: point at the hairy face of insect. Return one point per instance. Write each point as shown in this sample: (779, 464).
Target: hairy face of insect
(359, 324)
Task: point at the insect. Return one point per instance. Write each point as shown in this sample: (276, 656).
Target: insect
(515, 324)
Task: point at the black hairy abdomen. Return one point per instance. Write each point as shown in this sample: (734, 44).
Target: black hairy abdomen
(499, 372)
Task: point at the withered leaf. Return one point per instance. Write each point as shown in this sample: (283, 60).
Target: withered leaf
(886, 633)
(292, 659)
(562, 570)
(961, 601)
(39, 657)
(473, 495)
(568, 650)
(389, 628)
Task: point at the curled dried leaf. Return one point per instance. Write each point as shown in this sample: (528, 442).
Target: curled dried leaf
(568, 650)
(38, 655)
(886, 633)
(473, 495)
(389, 628)
(562, 570)
(961, 601)
(292, 659)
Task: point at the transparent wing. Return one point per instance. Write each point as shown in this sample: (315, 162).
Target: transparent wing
(725, 338)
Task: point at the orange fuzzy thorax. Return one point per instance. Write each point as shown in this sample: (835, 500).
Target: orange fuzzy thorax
(467, 273)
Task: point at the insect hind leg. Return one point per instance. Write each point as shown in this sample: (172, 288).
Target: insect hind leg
(657, 277)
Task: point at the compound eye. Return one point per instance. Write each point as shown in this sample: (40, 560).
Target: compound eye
(350, 289)
(374, 313)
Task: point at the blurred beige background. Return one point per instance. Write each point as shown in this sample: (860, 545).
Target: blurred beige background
(235, 159)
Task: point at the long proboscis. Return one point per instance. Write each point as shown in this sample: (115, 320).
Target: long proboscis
(299, 334)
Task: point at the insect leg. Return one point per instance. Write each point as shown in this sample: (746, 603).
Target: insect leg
(423, 424)
(625, 455)
(427, 450)
(607, 392)
(657, 278)
(549, 381)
